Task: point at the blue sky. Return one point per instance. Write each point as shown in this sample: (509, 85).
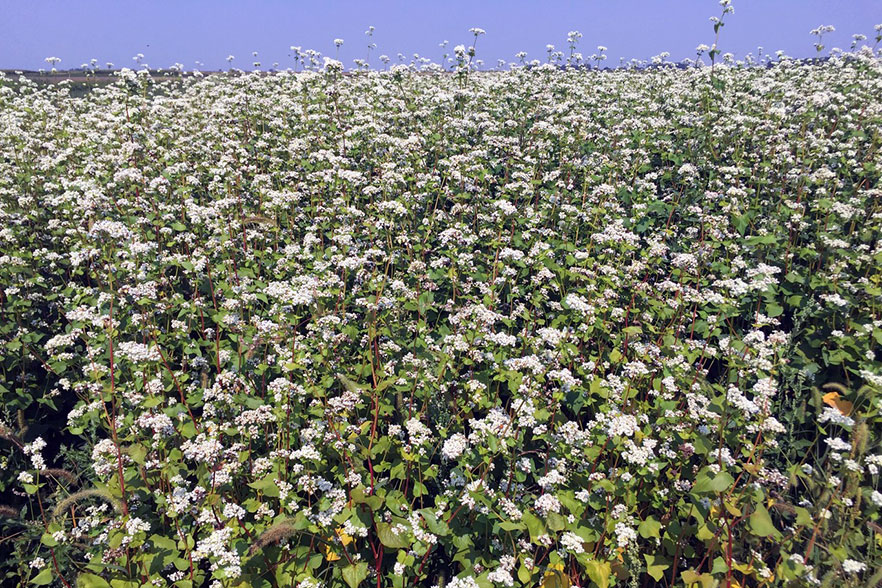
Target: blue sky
(187, 31)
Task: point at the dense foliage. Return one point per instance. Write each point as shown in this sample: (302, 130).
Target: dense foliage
(401, 328)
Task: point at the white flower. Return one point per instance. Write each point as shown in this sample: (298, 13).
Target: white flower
(624, 425)
(835, 416)
(136, 525)
(137, 352)
(33, 449)
(851, 566)
(547, 503)
(419, 433)
(501, 577)
(578, 303)
(837, 444)
(625, 534)
(332, 65)
(455, 446)
(572, 542)
(104, 457)
(466, 582)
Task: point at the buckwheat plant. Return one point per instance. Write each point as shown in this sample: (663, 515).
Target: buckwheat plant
(819, 33)
(718, 24)
(552, 327)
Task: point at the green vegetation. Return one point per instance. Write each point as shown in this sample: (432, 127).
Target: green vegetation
(541, 327)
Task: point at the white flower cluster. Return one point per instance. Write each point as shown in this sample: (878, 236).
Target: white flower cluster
(463, 582)
(455, 446)
(572, 542)
(137, 352)
(624, 425)
(216, 549)
(33, 450)
(547, 503)
(418, 433)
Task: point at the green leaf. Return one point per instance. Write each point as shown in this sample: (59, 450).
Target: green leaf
(556, 522)
(48, 540)
(483, 582)
(115, 539)
(524, 574)
(161, 542)
(359, 497)
(390, 539)
(704, 533)
(803, 517)
(350, 385)
(598, 571)
(705, 484)
(534, 525)
(354, 574)
(138, 453)
(514, 381)
(267, 485)
(761, 523)
(91, 581)
(655, 566)
(434, 526)
(761, 240)
(597, 388)
(188, 430)
(45, 577)
(720, 566)
(649, 528)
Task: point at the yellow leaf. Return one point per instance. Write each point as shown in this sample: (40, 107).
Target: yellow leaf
(733, 510)
(344, 538)
(330, 555)
(835, 400)
(362, 430)
(752, 468)
(555, 578)
(692, 577)
(746, 569)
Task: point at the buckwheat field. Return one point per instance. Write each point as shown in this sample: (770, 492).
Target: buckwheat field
(545, 326)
